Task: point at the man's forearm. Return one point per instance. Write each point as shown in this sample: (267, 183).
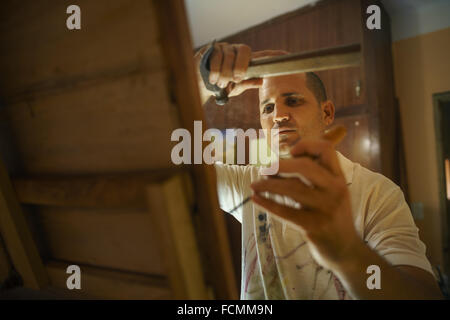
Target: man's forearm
(394, 283)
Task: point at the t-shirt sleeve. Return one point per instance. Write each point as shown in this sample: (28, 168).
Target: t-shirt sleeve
(390, 229)
(233, 183)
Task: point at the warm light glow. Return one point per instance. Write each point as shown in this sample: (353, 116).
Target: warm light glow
(366, 144)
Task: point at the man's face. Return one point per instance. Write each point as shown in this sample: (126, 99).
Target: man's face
(287, 104)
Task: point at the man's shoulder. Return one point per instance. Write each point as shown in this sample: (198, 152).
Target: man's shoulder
(371, 178)
(374, 186)
(374, 195)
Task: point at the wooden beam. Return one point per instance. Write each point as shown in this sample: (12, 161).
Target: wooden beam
(18, 238)
(169, 209)
(101, 283)
(91, 191)
(178, 52)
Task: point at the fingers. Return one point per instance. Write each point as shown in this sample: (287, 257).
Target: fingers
(293, 188)
(300, 217)
(321, 150)
(319, 176)
(228, 63)
(215, 63)
(236, 89)
(226, 72)
(243, 55)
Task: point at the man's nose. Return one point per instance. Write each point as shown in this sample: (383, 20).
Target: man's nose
(281, 114)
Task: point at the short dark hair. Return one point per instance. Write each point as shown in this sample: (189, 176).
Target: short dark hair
(316, 86)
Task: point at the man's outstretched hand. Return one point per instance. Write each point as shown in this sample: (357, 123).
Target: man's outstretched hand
(325, 217)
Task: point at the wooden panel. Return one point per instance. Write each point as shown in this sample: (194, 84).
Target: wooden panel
(119, 239)
(378, 77)
(113, 126)
(341, 86)
(240, 112)
(95, 191)
(18, 238)
(99, 283)
(357, 144)
(38, 51)
(327, 24)
(177, 238)
(213, 237)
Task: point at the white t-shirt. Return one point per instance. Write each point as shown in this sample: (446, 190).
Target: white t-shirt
(276, 262)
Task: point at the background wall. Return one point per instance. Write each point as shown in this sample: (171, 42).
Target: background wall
(422, 68)
(410, 18)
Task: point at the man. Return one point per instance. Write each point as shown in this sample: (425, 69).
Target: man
(349, 220)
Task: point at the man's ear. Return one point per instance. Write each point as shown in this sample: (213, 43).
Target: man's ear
(328, 112)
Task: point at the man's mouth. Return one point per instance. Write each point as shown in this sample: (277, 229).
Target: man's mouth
(287, 130)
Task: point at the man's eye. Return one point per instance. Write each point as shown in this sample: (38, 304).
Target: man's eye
(292, 101)
(268, 108)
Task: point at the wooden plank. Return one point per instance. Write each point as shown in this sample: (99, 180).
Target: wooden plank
(213, 237)
(92, 191)
(122, 239)
(18, 239)
(123, 125)
(168, 206)
(39, 52)
(99, 283)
